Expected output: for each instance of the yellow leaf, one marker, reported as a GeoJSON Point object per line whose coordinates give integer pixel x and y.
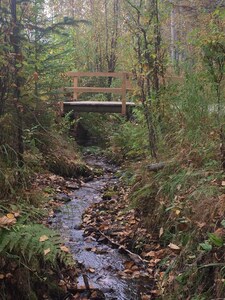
{"type": "Point", "coordinates": [46, 251]}
{"type": "Point", "coordinates": [10, 216]}
{"type": "Point", "coordinates": [64, 248]}
{"type": "Point", "coordinates": [43, 238]}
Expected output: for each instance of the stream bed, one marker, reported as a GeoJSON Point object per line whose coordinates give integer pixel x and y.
{"type": "Point", "coordinates": [103, 264]}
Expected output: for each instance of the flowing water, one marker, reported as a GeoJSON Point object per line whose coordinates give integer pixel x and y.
{"type": "Point", "coordinates": [103, 264]}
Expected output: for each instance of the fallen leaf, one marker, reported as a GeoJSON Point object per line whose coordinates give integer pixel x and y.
{"type": "Point", "coordinates": [4, 221]}
{"type": "Point", "coordinates": [128, 271]}
{"type": "Point", "coordinates": [135, 268]}
{"type": "Point", "coordinates": [136, 274]}
{"type": "Point", "coordinates": [10, 216]}
{"type": "Point", "coordinates": [150, 254]}
{"type": "Point", "coordinates": [150, 270]}
{"type": "Point", "coordinates": [200, 225]}
{"type": "Point", "coordinates": [2, 276]}
{"type": "Point", "coordinates": [43, 238]}
{"type": "Point", "coordinates": [161, 231]}
{"type": "Point", "coordinates": [64, 249]}
{"type": "Point", "coordinates": [154, 261]}
{"type": "Point", "coordinates": [222, 197]}
{"type": "Point", "coordinates": [155, 292]}
{"type": "Point", "coordinates": [223, 183]}
{"type": "Point", "coordinates": [128, 264]}
{"type": "Point", "coordinates": [91, 270]}
{"type": "Point", "coordinates": [46, 251]}
{"type": "Point", "coordinates": [16, 214]}
{"type": "Point", "coordinates": [132, 222]}
{"type": "Point", "coordinates": [173, 246]}
{"type": "Point", "coordinates": [61, 283]}
{"type": "Point", "coordinates": [51, 214]}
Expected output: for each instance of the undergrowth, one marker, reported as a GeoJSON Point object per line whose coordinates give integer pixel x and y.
{"type": "Point", "coordinates": [32, 256]}
{"type": "Point", "coordinates": [183, 203]}
{"type": "Point", "coordinates": [25, 241]}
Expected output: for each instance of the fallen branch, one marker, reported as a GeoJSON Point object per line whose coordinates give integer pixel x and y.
{"type": "Point", "coordinates": [138, 260]}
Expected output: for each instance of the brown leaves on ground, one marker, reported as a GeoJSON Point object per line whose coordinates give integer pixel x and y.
{"type": "Point", "coordinates": [9, 219]}
{"type": "Point", "coordinates": [122, 225]}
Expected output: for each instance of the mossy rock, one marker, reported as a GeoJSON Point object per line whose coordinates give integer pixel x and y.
{"type": "Point", "coordinates": [108, 194]}
{"type": "Point", "coordinates": [98, 172]}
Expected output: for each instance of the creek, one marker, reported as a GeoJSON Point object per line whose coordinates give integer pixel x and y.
{"type": "Point", "coordinates": [102, 265]}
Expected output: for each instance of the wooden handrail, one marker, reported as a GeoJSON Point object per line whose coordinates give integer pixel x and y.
{"type": "Point", "coordinates": [97, 74]}
{"type": "Point", "coordinates": [122, 90]}
{"type": "Point", "coordinates": [87, 89]}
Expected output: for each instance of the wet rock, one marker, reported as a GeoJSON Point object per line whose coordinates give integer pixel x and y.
{"type": "Point", "coordinates": [78, 227]}
{"type": "Point", "coordinates": [72, 185]}
{"type": "Point", "coordinates": [62, 197]}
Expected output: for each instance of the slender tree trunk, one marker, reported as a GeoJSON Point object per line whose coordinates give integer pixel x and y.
{"type": "Point", "coordinates": [173, 35]}
{"type": "Point", "coordinates": [111, 39]}
{"type": "Point", "coordinates": [157, 44]}
{"type": "Point", "coordinates": [15, 41]}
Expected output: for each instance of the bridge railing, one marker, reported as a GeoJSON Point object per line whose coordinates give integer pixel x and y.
{"type": "Point", "coordinates": [122, 90]}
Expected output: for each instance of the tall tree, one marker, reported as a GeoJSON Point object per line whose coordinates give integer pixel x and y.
{"type": "Point", "coordinates": [143, 23]}
{"type": "Point", "coordinates": [17, 79]}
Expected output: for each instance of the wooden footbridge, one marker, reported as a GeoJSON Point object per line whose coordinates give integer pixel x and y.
{"type": "Point", "coordinates": [121, 106]}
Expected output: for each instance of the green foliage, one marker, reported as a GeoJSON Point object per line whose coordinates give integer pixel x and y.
{"type": "Point", "coordinates": [215, 240]}
{"type": "Point", "coordinates": [24, 241]}
{"type": "Point", "coordinates": [131, 137]}
{"type": "Point", "coordinates": [206, 246]}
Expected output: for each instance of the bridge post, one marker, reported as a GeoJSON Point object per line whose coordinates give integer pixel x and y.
{"type": "Point", "coordinates": [75, 84]}
{"type": "Point", "coordinates": [124, 80]}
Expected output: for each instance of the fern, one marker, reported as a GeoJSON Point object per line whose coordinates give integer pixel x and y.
{"type": "Point", "coordinates": [25, 240]}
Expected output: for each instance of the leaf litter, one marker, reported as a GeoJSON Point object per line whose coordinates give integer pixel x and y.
{"type": "Point", "coordinates": [113, 221]}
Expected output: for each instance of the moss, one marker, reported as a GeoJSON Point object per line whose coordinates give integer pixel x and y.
{"type": "Point", "coordinates": [67, 167]}
{"type": "Point", "coordinates": [107, 195]}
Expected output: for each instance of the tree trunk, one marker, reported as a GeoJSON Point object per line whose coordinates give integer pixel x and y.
{"type": "Point", "coordinates": [15, 42]}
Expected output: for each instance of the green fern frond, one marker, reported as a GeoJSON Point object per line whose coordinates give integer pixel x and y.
{"type": "Point", "coordinates": [25, 240]}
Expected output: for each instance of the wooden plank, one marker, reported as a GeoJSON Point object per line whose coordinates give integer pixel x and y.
{"type": "Point", "coordinates": [75, 83]}
{"type": "Point", "coordinates": [95, 74]}
{"type": "Point", "coordinates": [96, 90]}
{"type": "Point", "coordinates": [102, 103]}
{"type": "Point", "coordinates": [95, 106]}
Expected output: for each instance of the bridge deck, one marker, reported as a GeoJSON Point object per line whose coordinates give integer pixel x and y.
{"type": "Point", "coordinates": [96, 106]}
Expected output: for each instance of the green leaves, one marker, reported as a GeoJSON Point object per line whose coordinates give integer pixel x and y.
{"type": "Point", "coordinates": [223, 223]}
{"type": "Point", "coordinates": [34, 239]}
{"type": "Point", "coordinates": [206, 246]}
{"type": "Point", "coordinates": [213, 241]}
